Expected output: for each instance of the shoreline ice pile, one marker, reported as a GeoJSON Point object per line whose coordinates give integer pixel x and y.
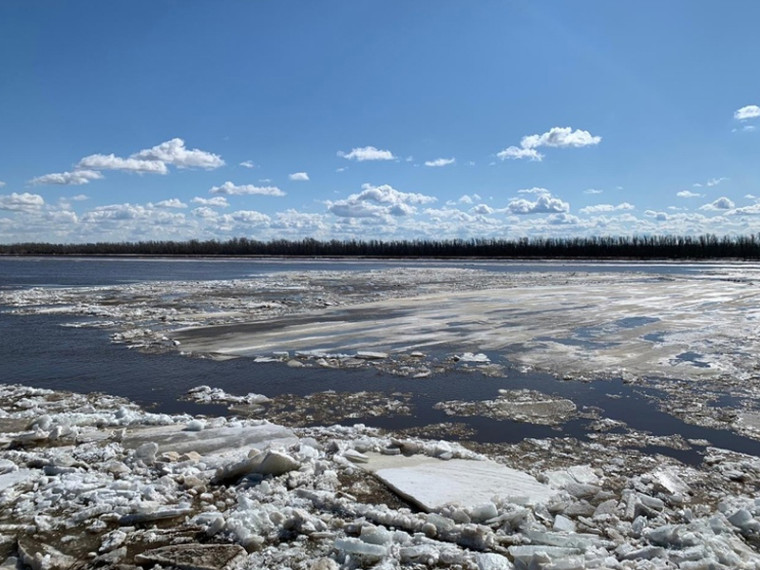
{"type": "Point", "coordinates": [92, 481]}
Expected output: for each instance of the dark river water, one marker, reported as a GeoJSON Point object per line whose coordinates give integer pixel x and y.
{"type": "Point", "coordinates": [38, 351]}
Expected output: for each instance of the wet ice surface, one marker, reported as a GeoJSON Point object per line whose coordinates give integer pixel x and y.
{"type": "Point", "coordinates": [692, 336]}
{"type": "Point", "coordinates": [636, 487]}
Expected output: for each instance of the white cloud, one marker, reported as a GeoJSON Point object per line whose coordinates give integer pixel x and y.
{"type": "Point", "coordinates": [746, 113]}
{"type": "Point", "coordinates": [561, 137]}
{"type": "Point", "coordinates": [113, 162]}
{"type": "Point", "coordinates": [562, 219]}
{"type": "Point", "coordinates": [537, 190]}
{"type": "Point", "coordinates": [592, 191]}
{"type": "Point", "coordinates": [659, 216]}
{"type": "Point", "coordinates": [299, 176]}
{"type": "Point", "coordinates": [482, 209]}
{"type": "Point", "coordinates": [752, 210]}
{"type": "Point", "coordinates": [174, 152]}
{"type": "Point", "coordinates": [516, 153]}
{"type": "Point", "coordinates": [76, 178]}
{"type": "Point", "coordinates": [215, 202]}
{"type": "Point", "coordinates": [465, 199]}
{"type": "Point", "coordinates": [606, 208]}
{"type": "Point", "coordinates": [246, 189]}
{"type": "Point", "coordinates": [205, 213]}
{"type": "Point", "coordinates": [377, 202]}
{"type": "Point", "coordinates": [367, 153]}
{"type": "Point", "coordinates": [116, 212]}
{"type": "Point", "coordinates": [2, 183]}
{"type": "Point", "coordinates": [248, 217]}
{"type": "Point", "coordinates": [716, 181]}
{"type": "Point", "coordinates": [556, 137]}
{"type": "Point", "coordinates": [440, 162]}
{"type": "Point", "coordinates": [248, 164]}
{"type": "Point", "coordinates": [171, 203]}
{"type": "Point", "coordinates": [545, 203]}
{"type": "Point", "coordinates": [80, 198]}
{"type": "Point", "coordinates": [721, 204]}
{"type": "Point", "coordinates": [687, 194]}
{"type": "Point", "coordinates": [25, 202]}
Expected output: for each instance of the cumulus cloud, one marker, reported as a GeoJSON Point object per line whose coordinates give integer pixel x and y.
{"type": "Point", "coordinates": [687, 194]}
{"type": "Point", "coordinates": [366, 153]}
{"type": "Point", "coordinates": [248, 217]}
{"type": "Point", "coordinates": [299, 176]}
{"type": "Point", "coordinates": [721, 204]}
{"type": "Point", "coordinates": [561, 137]}
{"type": "Point", "coordinates": [171, 203]}
{"type": "Point", "coordinates": [116, 212]}
{"type": "Point", "coordinates": [76, 178]}
{"type": "Point", "coordinates": [465, 199]}
{"type": "Point", "coordinates": [606, 208]}
{"type": "Point", "coordinates": [174, 152]}
{"type": "Point", "coordinates": [248, 164]}
{"type": "Point", "coordinates": [752, 210]}
{"type": "Point", "coordinates": [24, 202]}
{"type": "Point", "coordinates": [205, 213]}
{"type": "Point", "coordinates": [747, 112]}
{"type": "Point", "coordinates": [592, 191]}
{"type": "Point", "coordinates": [482, 209]}
{"type": "Point", "coordinates": [2, 183]}
{"type": "Point", "coordinates": [215, 202]}
{"type": "Point", "coordinates": [378, 201]}
{"type": "Point", "coordinates": [113, 162]}
{"type": "Point", "coordinates": [440, 162]}
{"type": "Point", "coordinates": [544, 203]}
{"type": "Point", "coordinates": [246, 189]}
{"type": "Point", "coordinates": [562, 219]}
{"type": "Point", "coordinates": [516, 153]}
{"type": "Point", "coordinates": [659, 216]}
{"type": "Point", "coordinates": [154, 160]}
{"type": "Point", "coordinates": [556, 137]}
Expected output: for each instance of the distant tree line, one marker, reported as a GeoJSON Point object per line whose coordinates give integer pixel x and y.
{"type": "Point", "coordinates": [622, 247]}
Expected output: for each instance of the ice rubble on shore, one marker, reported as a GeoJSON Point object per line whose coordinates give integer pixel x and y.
{"type": "Point", "coordinates": [94, 481]}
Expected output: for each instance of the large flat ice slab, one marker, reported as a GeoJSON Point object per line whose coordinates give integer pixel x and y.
{"type": "Point", "coordinates": [226, 440]}
{"type": "Point", "coordinates": [432, 483]}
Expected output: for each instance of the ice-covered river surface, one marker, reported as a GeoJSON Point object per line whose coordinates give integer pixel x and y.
{"type": "Point", "coordinates": [642, 377]}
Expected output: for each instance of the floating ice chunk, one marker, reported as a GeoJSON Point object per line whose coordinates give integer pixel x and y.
{"type": "Point", "coordinates": [577, 474]}
{"type": "Point", "coordinates": [195, 425]}
{"type": "Point", "coordinates": [192, 556]}
{"type": "Point", "coordinates": [6, 466]}
{"type": "Point", "coordinates": [432, 483]}
{"type": "Point", "coordinates": [227, 440]}
{"type": "Point", "coordinates": [12, 478]}
{"type": "Point", "coordinates": [563, 524]}
{"type": "Point", "coordinates": [472, 357]}
{"type": "Point", "coordinates": [492, 561]}
{"type": "Point", "coordinates": [355, 456]}
{"type": "Point", "coordinates": [368, 355]}
{"type": "Point", "coordinates": [357, 547]}
{"type": "Point", "coordinates": [276, 463]}
{"type": "Point", "coordinates": [537, 555]}
{"type": "Point", "coordinates": [147, 452]}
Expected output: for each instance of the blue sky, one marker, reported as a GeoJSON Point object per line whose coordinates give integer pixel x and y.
{"type": "Point", "coordinates": [210, 120]}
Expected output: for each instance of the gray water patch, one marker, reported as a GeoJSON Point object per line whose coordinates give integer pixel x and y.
{"type": "Point", "coordinates": [655, 337]}
{"type": "Point", "coordinates": [633, 322]}
{"type": "Point", "coordinates": [692, 358]}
